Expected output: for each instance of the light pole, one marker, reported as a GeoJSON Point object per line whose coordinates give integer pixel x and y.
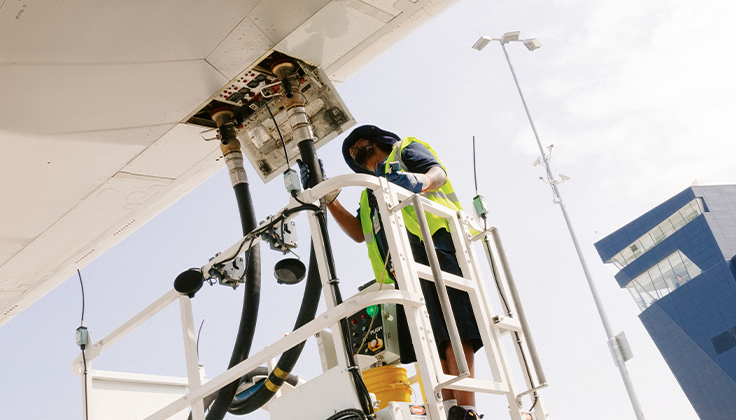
{"type": "Point", "coordinates": [613, 342]}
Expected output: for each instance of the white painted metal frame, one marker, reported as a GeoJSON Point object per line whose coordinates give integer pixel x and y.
{"type": "Point", "coordinates": [514, 325]}
{"type": "Point", "coordinates": [390, 200]}
{"type": "Point", "coordinates": [193, 380]}
{"type": "Point", "coordinates": [408, 274]}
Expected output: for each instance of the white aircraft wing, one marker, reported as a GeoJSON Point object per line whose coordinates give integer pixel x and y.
{"type": "Point", "coordinates": [97, 100]}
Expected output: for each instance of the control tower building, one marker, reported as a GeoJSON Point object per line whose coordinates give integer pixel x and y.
{"type": "Point", "coordinates": [677, 262]}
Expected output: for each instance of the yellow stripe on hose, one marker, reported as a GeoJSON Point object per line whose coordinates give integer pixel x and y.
{"type": "Point", "coordinates": [280, 373]}
{"type": "Point", "coordinates": [271, 386]}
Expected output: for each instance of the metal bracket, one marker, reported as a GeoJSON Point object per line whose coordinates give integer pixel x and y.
{"type": "Point", "coordinates": [530, 391]}
{"type": "Point", "coordinates": [230, 273]}
{"type": "Point", "coordinates": [202, 133]}
{"type": "Point", "coordinates": [268, 93]}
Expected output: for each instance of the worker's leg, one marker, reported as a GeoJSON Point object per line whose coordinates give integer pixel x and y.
{"type": "Point", "coordinates": [449, 366]}
{"type": "Point", "coordinates": [447, 394]}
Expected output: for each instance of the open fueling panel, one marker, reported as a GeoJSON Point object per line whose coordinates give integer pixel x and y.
{"type": "Point", "coordinates": [257, 98]}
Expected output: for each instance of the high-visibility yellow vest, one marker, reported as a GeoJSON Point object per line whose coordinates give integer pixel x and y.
{"type": "Point", "coordinates": [445, 196]}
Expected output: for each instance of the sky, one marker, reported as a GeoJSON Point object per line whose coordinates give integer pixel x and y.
{"type": "Point", "coordinates": [636, 98]}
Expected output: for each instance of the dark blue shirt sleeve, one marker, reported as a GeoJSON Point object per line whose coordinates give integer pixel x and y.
{"type": "Point", "coordinates": [418, 158]}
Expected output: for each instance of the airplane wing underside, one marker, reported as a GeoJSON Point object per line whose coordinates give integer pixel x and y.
{"type": "Point", "coordinates": [97, 103]}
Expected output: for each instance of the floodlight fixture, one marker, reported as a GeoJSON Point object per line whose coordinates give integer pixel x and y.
{"type": "Point", "coordinates": [532, 44]}
{"type": "Point", "coordinates": [510, 36]}
{"type": "Point", "coordinates": [481, 43]}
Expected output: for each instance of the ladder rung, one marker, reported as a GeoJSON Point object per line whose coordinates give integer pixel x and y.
{"type": "Point", "coordinates": [479, 385]}
{"type": "Point", "coordinates": [451, 280]}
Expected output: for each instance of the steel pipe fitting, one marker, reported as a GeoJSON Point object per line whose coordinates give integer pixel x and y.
{"type": "Point", "coordinates": [229, 144]}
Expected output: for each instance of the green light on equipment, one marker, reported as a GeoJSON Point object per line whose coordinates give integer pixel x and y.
{"type": "Point", "coordinates": [371, 310]}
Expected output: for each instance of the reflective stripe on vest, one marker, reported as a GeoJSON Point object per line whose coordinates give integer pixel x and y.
{"type": "Point", "coordinates": [445, 196]}
{"type": "Point", "coordinates": [374, 254]}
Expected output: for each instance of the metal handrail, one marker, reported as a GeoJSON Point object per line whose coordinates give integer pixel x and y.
{"type": "Point", "coordinates": [322, 321]}
{"type": "Point", "coordinates": [519, 309]}
{"type": "Point", "coordinates": [95, 349]}
{"type": "Point", "coordinates": [332, 316]}
{"type": "Point", "coordinates": [447, 312]}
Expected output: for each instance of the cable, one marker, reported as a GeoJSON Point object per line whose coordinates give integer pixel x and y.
{"type": "Point", "coordinates": [360, 388]}
{"type": "Point", "coordinates": [506, 304]}
{"type": "Point", "coordinates": [86, 395]}
{"type": "Point", "coordinates": [475, 170]}
{"type": "Point", "coordinates": [199, 334]}
{"type": "Point", "coordinates": [250, 246]}
{"type": "Point", "coordinates": [493, 270]}
{"type": "Point", "coordinates": [350, 413]}
{"type": "Point", "coordinates": [257, 232]}
{"type": "Point", "coordinates": [309, 156]}
{"type": "Point", "coordinates": [81, 322]}
{"type": "Point", "coordinates": [279, 131]}
{"type": "Point", "coordinates": [536, 398]}
{"type": "Point", "coordinates": [240, 248]}
{"type": "Point", "coordinates": [498, 286]}
{"type": "Point", "coordinates": [294, 193]}
{"type": "Point", "coordinates": [81, 331]}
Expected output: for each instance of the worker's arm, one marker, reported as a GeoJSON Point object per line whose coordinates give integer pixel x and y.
{"type": "Point", "coordinates": [347, 221]}
{"type": "Point", "coordinates": [422, 171]}
{"type": "Point", "coordinates": [437, 177]}
{"type": "Point", "coordinates": [418, 182]}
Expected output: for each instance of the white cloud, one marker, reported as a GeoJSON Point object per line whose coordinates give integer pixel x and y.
{"type": "Point", "coordinates": [646, 85]}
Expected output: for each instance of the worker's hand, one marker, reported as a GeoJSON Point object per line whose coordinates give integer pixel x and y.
{"type": "Point", "coordinates": [413, 182]}
{"type": "Point", "coordinates": [304, 175]}
{"type": "Point", "coordinates": [304, 172]}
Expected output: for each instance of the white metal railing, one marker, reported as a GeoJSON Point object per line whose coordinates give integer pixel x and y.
{"type": "Point", "coordinates": [390, 200]}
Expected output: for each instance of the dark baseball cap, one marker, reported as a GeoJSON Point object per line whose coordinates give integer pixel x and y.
{"type": "Point", "coordinates": [368, 132]}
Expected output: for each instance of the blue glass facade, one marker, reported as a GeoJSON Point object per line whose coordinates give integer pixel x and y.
{"type": "Point", "coordinates": [694, 324]}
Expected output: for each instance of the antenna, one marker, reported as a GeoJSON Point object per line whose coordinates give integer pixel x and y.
{"type": "Point", "coordinates": [475, 169]}
{"type": "Point", "coordinates": [481, 209]}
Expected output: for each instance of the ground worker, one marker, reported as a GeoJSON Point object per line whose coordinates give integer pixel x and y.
{"type": "Point", "coordinates": [369, 150]}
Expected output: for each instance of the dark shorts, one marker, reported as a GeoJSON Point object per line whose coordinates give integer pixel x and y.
{"type": "Point", "coordinates": [461, 307]}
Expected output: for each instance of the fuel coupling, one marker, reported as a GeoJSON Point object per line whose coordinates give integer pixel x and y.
{"type": "Point", "coordinates": [229, 144]}
{"type": "Point", "coordinates": [294, 101]}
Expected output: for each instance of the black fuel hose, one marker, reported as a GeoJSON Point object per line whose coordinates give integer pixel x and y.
{"type": "Point", "coordinates": [276, 378]}
{"type": "Point", "coordinates": [309, 157]}
{"type": "Point", "coordinates": [251, 301]}
{"type": "Point", "coordinates": [292, 380]}
{"type": "Point", "coordinates": [348, 414]}
{"type": "Point", "coordinates": [267, 389]}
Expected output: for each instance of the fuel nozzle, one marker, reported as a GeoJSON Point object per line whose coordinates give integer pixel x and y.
{"type": "Point", "coordinates": [224, 116]}
{"type": "Point", "coordinates": [298, 118]}
{"type": "Point", "coordinates": [229, 143]}
{"type": "Point", "coordinates": [284, 70]}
